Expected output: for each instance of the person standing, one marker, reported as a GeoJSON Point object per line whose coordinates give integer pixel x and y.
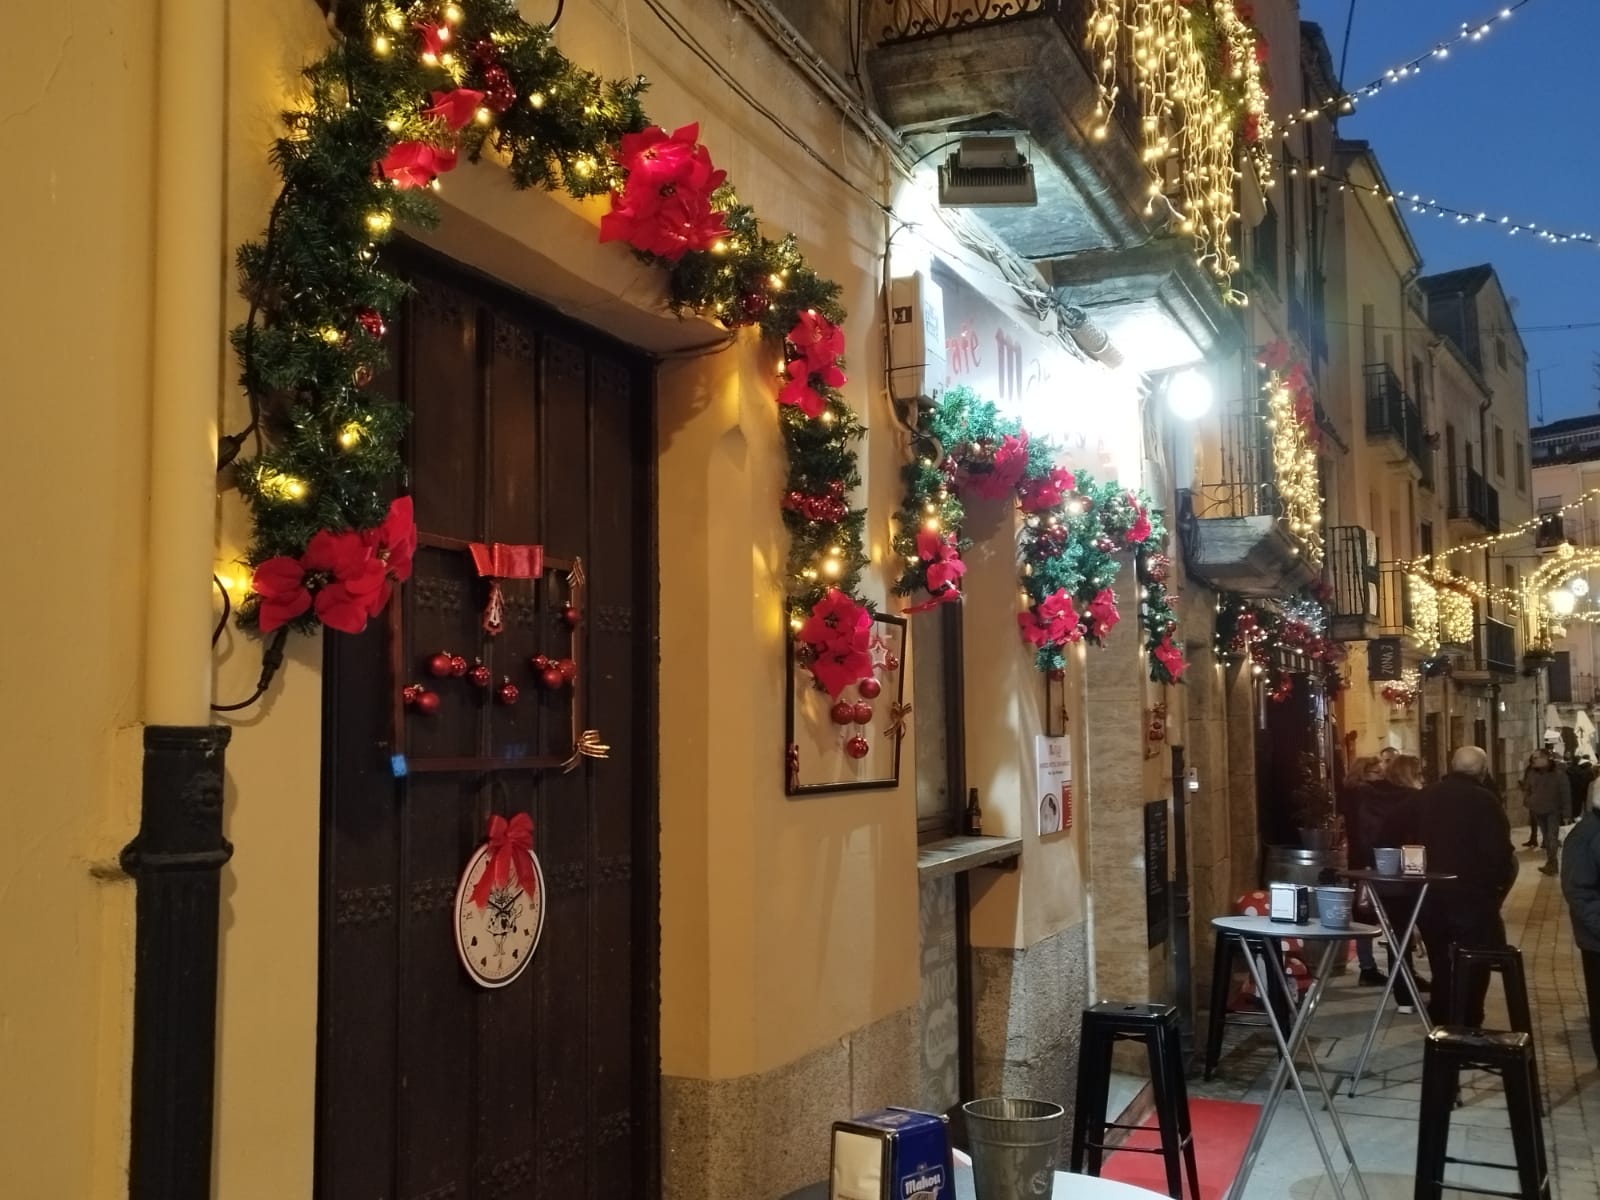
{"type": "Point", "coordinates": [1357, 806]}
{"type": "Point", "coordinates": [1580, 773]}
{"type": "Point", "coordinates": [1463, 824]}
{"type": "Point", "coordinates": [1533, 822]}
{"type": "Point", "coordinates": [1549, 795]}
{"type": "Point", "coordinates": [1580, 884]}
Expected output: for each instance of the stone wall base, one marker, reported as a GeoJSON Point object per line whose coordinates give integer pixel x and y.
{"type": "Point", "coordinates": [763, 1136]}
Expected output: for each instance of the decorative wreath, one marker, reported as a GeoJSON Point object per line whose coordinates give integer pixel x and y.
{"type": "Point", "coordinates": [1073, 531]}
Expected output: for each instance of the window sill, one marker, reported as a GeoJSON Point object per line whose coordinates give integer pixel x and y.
{"type": "Point", "coordinates": [952, 856]}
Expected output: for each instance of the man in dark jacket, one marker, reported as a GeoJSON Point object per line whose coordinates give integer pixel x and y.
{"type": "Point", "coordinates": [1549, 793]}
{"type": "Point", "coordinates": [1463, 824]}
{"type": "Point", "coordinates": [1580, 882]}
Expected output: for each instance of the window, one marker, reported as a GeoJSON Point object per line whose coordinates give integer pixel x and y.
{"type": "Point", "coordinates": [1510, 576]}
{"type": "Point", "coordinates": [1425, 539]}
{"type": "Point", "coordinates": [1499, 453]}
{"type": "Point", "coordinates": [1522, 466]}
{"type": "Point", "coordinates": [936, 685]}
{"type": "Point", "coordinates": [1264, 247]}
{"type": "Point", "coordinates": [1418, 391]}
{"type": "Point", "coordinates": [1500, 353]}
{"type": "Point", "coordinates": [1548, 504]}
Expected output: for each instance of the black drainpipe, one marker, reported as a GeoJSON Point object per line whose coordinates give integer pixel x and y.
{"type": "Point", "coordinates": [176, 861]}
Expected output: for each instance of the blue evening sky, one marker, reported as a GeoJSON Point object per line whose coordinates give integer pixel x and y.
{"type": "Point", "coordinates": [1506, 125]}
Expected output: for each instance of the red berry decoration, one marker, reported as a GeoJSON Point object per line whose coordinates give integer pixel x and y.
{"type": "Point", "coordinates": [480, 675]}
{"type": "Point", "coordinates": [507, 693]}
{"type": "Point", "coordinates": [441, 663]}
{"type": "Point", "coordinates": [863, 713]}
{"type": "Point", "coordinates": [843, 713]}
{"type": "Point", "coordinates": [568, 669]}
{"type": "Point", "coordinates": [498, 91]}
{"type": "Point", "coordinates": [891, 663]}
{"type": "Point", "coordinates": [754, 304]}
{"type": "Point", "coordinates": [458, 665]}
{"type": "Point", "coordinates": [485, 53]}
{"type": "Point", "coordinates": [571, 616]}
{"type": "Point", "coordinates": [1057, 674]}
{"type": "Point", "coordinates": [857, 747]}
{"type": "Point", "coordinates": [836, 489]}
{"type": "Point", "coordinates": [410, 692]}
{"type": "Point", "coordinates": [869, 688]}
{"type": "Point", "coordinates": [371, 322]}
{"type": "Point", "coordinates": [539, 662]}
{"type": "Point", "coordinates": [552, 678]}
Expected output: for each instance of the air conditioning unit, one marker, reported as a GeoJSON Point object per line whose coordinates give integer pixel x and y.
{"type": "Point", "coordinates": [916, 338]}
{"type": "Point", "coordinates": [987, 172]}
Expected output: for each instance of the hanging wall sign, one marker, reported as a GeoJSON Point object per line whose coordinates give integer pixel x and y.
{"type": "Point", "coordinates": [1383, 659]}
{"type": "Point", "coordinates": [500, 904]}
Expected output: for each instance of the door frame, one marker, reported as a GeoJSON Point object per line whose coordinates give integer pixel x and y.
{"type": "Point", "coordinates": [408, 256]}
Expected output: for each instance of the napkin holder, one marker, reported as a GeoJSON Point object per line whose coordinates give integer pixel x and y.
{"type": "Point", "coordinates": [1289, 903]}
{"type": "Point", "coordinates": [891, 1154]}
{"type": "Point", "coordinates": [1413, 860]}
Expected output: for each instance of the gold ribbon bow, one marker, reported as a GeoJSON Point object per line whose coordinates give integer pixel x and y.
{"type": "Point", "coordinates": [897, 721]}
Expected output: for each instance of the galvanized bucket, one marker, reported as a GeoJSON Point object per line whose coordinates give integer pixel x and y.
{"type": "Point", "coordinates": [1014, 1145]}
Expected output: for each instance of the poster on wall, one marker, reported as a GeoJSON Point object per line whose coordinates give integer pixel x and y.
{"type": "Point", "coordinates": [1053, 795]}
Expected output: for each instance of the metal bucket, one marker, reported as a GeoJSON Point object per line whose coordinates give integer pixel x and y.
{"type": "Point", "coordinates": [1014, 1146]}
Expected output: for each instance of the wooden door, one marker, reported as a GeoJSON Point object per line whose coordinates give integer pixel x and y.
{"type": "Point", "coordinates": [525, 429]}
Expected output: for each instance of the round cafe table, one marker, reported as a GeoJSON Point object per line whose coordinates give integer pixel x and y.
{"type": "Point", "coordinates": [1068, 1187]}
{"type": "Point", "coordinates": [1258, 935]}
{"type": "Point", "coordinates": [1380, 885]}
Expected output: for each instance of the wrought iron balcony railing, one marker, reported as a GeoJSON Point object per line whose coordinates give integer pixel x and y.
{"type": "Point", "coordinates": [1497, 646]}
{"type": "Point", "coordinates": [1393, 414]}
{"type": "Point", "coordinates": [909, 20]}
{"type": "Point", "coordinates": [1474, 498]}
{"type": "Point", "coordinates": [1246, 486]}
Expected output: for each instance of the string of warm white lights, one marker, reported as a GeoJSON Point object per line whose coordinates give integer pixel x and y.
{"type": "Point", "coordinates": [1182, 111]}
{"type": "Point", "coordinates": [1505, 535]}
{"type": "Point", "coordinates": [1418, 204]}
{"type": "Point", "coordinates": [1410, 69]}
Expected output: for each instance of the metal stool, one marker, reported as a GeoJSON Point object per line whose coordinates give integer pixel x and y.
{"type": "Point", "coordinates": [1223, 961]}
{"type": "Point", "coordinates": [1446, 1053]}
{"type": "Point", "coordinates": [1156, 1025]}
{"type": "Point", "coordinates": [1466, 963]}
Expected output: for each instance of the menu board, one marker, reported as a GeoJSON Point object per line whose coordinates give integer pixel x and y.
{"type": "Point", "coordinates": [1155, 871]}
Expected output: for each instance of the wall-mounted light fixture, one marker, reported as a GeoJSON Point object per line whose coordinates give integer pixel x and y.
{"type": "Point", "coordinates": [987, 172]}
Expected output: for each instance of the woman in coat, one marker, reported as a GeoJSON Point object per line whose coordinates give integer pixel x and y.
{"type": "Point", "coordinates": [1548, 792]}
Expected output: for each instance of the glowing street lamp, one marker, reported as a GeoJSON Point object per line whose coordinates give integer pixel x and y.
{"type": "Point", "coordinates": [1189, 395]}
{"type": "Point", "coordinates": [1562, 601]}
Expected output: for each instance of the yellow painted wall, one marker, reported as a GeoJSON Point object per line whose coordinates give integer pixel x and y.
{"type": "Point", "coordinates": [76, 123]}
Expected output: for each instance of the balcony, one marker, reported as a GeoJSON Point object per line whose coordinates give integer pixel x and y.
{"type": "Point", "coordinates": [1352, 573]}
{"type": "Point", "coordinates": [1232, 531]}
{"type": "Point", "coordinates": [1493, 656]}
{"type": "Point", "coordinates": [1552, 531]}
{"type": "Point", "coordinates": [1474, 501]}
{"type": "Point", "coordinates": [941, 68]}
{"type": "Point", "coordinates": [1394, 420]}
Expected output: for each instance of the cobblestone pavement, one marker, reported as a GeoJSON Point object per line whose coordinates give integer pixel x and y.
{"type": "Point", "coordinates": [1381, 1119]}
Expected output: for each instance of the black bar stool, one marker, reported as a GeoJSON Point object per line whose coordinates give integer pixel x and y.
{"type": "Point", "coordinates": [1156, 1025]}
{"type": "Point", "coordinates": [1449, 1051]}
{"type": "Point", "coordinates": [1466, 965]}
{"type": "Point", "coordinates": [1223, 961]}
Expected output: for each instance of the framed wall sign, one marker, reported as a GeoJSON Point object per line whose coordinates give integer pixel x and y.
{"type": "Point", "coordinates": [848, 742]}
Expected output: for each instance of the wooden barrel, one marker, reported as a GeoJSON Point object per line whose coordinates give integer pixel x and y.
{"type": "Point", "coordinates": [1294, 864]}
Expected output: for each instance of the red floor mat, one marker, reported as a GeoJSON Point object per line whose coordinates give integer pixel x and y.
{"type": "Point", "coordinates": [1222, 1128]}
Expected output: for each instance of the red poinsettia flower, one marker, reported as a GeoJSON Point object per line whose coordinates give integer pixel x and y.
{"type": "Point", "coordinates": [280, 583]}
{"type": "Point", "coordinates": [1170, 657]}
{"type": "Point", "coordinates": [1010, 460]}
{"type": "Point", "coordinates": [839, 667]}
{"type": "Point", "coordinates": [799, 392]}
{"type": "Point", "coordinates": [945, 567]}
{"type": "Point", "coordinates": [1274, 356]}
{"type": "Point", "coordinates": [359, 578]}
{"type": "Point", "coordinates": [1103, 614]}
{"type": "Point", "coordinates": [664, 207]}
{"type": "Point", "coordinates": [1047, 491]}
{"type": "Point", "coordinates": [415, 164]}
{"type": "Point", "coordinates": [837, 620]}
{"type": "Point", "coordinates": [654, 158]}
{"type": "Point", "coordinates": [392, 544]}
{"type": "Point", "coordinates": [1140, 530]}
{"type": "Point", "coordinates": [434, 36]}
{"type": "Point", "coordinates": [456, 108]}
{"type": "Point", "coordinates": [1052, 622]}
{"type": "Point", "coordinates": [820, 342]}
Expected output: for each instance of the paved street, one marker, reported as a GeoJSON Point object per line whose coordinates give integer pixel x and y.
{"type": "Point", "coordinates": [1382, 1118]}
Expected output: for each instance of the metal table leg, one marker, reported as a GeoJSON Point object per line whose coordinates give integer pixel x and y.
{"type": "Point", "coordinates": [1288, 1046]}
{"type": "Point", "coordinates": [1402, 967]}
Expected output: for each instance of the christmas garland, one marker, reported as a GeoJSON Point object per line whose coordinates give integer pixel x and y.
{"type": "Point", "coordinates": [1250, 632]}
{"type": "Point", "coordinates": [1295, 437]}
{"type": "Point", "coordinates": [1073, 529]}
{"type": "Point", "coordinates": [408, 91]}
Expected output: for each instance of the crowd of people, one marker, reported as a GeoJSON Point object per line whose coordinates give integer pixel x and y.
{"type": "Point", "coordinates": [1462, 822]}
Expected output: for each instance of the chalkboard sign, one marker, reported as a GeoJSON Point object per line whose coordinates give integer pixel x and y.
{"type": "Point", "coordinates": [1155, 871]}
{"type": "Point", "coordinates": [1383, 659]}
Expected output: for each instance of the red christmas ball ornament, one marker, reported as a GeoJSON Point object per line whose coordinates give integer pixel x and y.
{"type": "Point", "coordinates": [843, 712]}
{"type": "Point", "coordinates": [863, 713]}
{"type": "Point", "coordinates": [507, 693]}
{"type": "Point", "coordinates": [857, 747]}
{"type": "Point", "coordinates": [458, 665]}
{"type": "Point", "coordinates": [754, 304]}
{"type": "Point", "coordinates": [410, 692]}
{"type": "Point", "coordinates": [869, 688]}
{"type": "Point", "coordinates": [552, 678]}
{"type": "Point", "coordinates": [371, 322]}
{"type": "Point", "coordinates": [539, 662]}
{"type": "Point", "coordinates": [498, 90]}
{"type": "Point", "coordinates": [427, 703]}
{"type": "Point", "coordinates": [568, 669]}
{"type": "Point", "coordinates": [891, 663]}
{"type": "Point", "coordinates": [439, 665]}
{"type": "Point", "coordinates": [480, 675]}
{"type": "Point", "coordinates": [570, 616]}
{"type": "Point", "coordinates": [836, 489]}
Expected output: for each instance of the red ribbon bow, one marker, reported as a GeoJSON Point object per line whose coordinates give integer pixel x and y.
{"type": "Point", "coordinates": [510, 849]}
